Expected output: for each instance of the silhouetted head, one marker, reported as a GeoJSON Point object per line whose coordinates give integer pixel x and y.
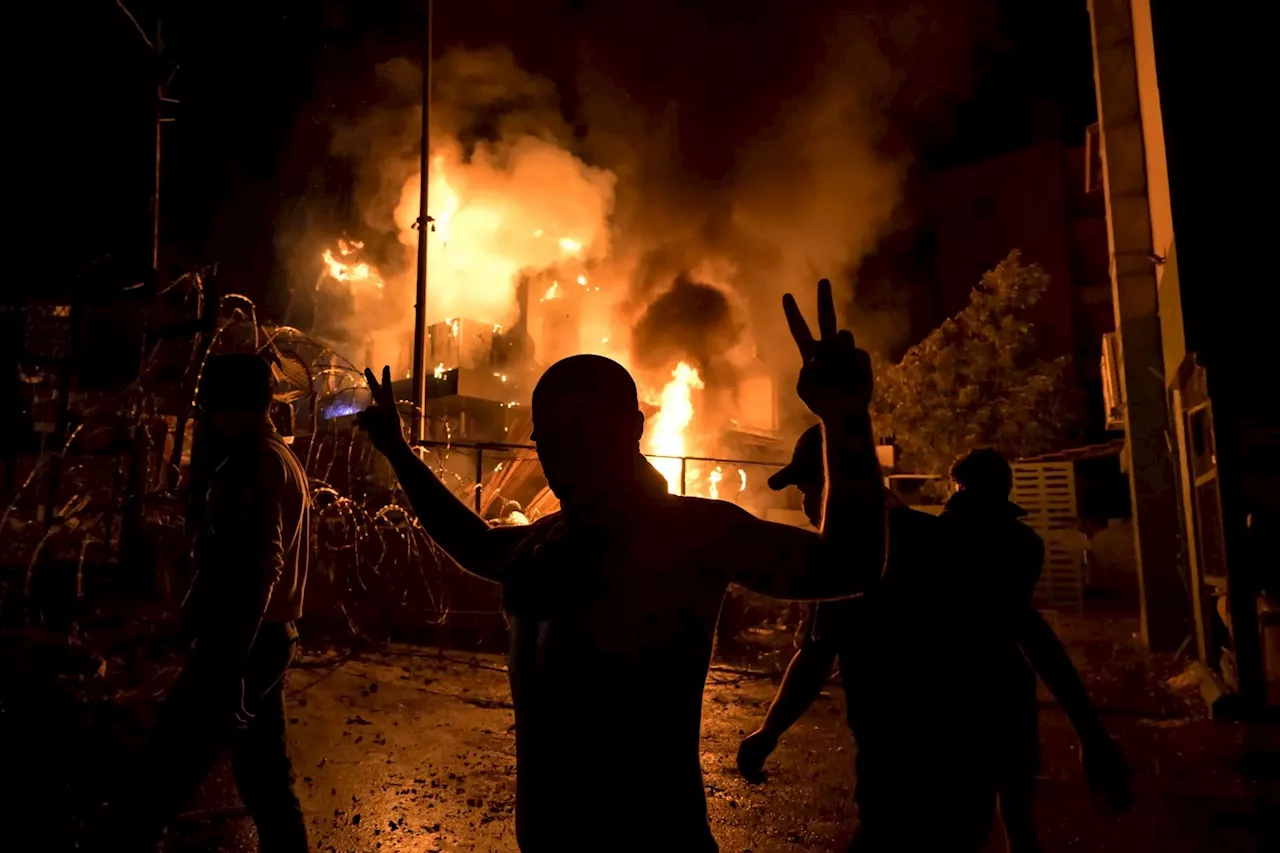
{"type": "Point", "coordinates": [806, 472]}
{"type": "Point", "coordinates": [984, 474]}
{"type": "Point", "coordinates": [235, 393]}
{"type": "Point", "coordinates": [587, 426]}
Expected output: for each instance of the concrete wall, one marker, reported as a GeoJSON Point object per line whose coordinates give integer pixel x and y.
{"type": "Point", "coordinates": [1035, 200]}
{"type": "Point", "coordinates": [1015, 201]}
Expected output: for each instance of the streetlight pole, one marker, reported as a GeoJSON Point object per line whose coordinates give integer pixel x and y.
{"type": "Point", "coordinates": [156, 46]}
{"type": "Point", "coordinates": [418, 370]}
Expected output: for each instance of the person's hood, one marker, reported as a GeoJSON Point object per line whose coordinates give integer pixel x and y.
{"type": "Point", "coordinates": [967, 503]}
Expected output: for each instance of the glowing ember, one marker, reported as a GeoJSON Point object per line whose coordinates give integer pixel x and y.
{"type": "Point", "coordinates": [666, 432]}
{"type": "Point", "coordinates": [717, 477]}
{"type": "Point", "coordinates": [570, 245]}
{"type": "Point", "coordinates": [357, 274]}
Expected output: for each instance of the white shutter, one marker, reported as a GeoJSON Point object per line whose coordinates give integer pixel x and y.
{"type": "Point", "coordinates": [1047, 491]}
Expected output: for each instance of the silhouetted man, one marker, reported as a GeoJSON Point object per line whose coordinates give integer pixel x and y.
{"type": "Point", "coordinates": [612, 601]}
{"type": "Point", "coordinates": [1006, 558]}
{"type": "Point", "coordinates": [874, 650]}
{"type": "Point", "coordinates": [251, 529]}
{"type": "Point", "coordinates": [826, 632]}
{"type": "Point", "coordinates": [954, 618]}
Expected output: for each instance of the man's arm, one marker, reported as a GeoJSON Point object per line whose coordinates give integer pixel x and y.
{"type": "Point", "coordinates": [847, 558]}
{"type": "Point", "coordinates": [473, 544]}
{"type": "Point", "coordinates": [1104, 765]}
{"type": "Point", "coordinates": [1042, 648]}
{"type": "Point", "coordinates": [801, 685]}
{"type": "Point", "coordinates": [1048, 657]}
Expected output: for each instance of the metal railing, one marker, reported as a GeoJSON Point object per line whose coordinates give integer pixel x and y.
{"type": "Point", "coordinates": [479, 447]}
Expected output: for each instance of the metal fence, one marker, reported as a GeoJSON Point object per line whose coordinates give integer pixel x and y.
{"type": "Point", "coordinates": [498, 479]}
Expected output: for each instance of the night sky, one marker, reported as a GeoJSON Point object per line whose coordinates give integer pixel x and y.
{"type": "Point", "coordinates": [260, 84]}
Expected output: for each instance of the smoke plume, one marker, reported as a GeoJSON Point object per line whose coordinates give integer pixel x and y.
{"type": "Point", "coordinates": [699, 165]}
{"type": "Point", "coordinates": [507, 196]}
{"type": "Point", "coordinates": [692, 322]}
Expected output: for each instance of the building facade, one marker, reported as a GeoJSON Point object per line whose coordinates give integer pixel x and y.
{"type": "Point", "coordinates": [1038, 200]}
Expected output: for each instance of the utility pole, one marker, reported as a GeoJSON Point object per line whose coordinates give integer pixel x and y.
{"type": "Point", "coordinates": [418, 370]}
{"type": "Point", "coordinates": [163, 78]}
{"type": "Point", "coordinates": [155, 195]}
{"type": "Point", "coordinates": [1164, 598]}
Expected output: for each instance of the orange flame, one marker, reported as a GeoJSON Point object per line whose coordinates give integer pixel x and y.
{"type": "Point", "coordinates": [717, 477]}
{"type": "Point", "coordinates": [666, 434]}
{"type": "Point", "coordinates": [499, 213]}
{"type": "Point", "coordinates": [356, 273]}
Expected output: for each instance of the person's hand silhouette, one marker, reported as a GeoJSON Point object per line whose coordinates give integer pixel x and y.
{"type": "Point", "coordinates": [381, 420]}
{"type": "Point", "coordinates": [1107, 773]}
{"type": "Point", "coordinates": [835, 379]}
{"type": "Point", "coordinates": [754, 750]}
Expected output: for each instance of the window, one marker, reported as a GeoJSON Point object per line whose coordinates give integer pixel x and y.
{"type": "Point", "coordinates": [1200, 426]}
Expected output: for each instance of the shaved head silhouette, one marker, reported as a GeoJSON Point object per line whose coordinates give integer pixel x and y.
{"type": "Point", "coordinates": [587, 426]}
{"type": "Point", "coordinates": [604, 381]}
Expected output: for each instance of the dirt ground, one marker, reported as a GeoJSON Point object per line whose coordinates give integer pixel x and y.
{"type": "Point", "coordinates": [410, 750]}
{"type": "Point", "coordinates": [413, 751]}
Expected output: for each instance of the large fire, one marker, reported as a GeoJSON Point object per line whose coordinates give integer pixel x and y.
{"type": "Point", "coordinates": [344, 268]}
{"type": "Point", "coordinates": [537, 212]}
{"type": "Point", "coordinates": [665, 435]}
{"type": "Point", "coordinates": [499, 214]}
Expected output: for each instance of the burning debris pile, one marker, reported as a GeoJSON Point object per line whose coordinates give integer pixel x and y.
{"type": "Point", "coordinates": [549, 304]}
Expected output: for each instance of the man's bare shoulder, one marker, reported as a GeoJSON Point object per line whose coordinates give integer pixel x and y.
{"type": "Point", "coordinates": [717, 521]}
{"type": "Point", "coordinates": [710, 512]}
{"type": "Point", "coordinates": [543, 524]}
{"type": "Point", "coordinates": [515, 536]}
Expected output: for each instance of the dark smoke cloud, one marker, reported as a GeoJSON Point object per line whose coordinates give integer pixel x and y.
{"type": "Point", "coordinates": [774, 138]}
{"type": "Point", "coordinates": [758, 146]}
{"type": "Point", "coordinates": [692, 321]}
{"type": "Point", "coordinates": [479, 96]}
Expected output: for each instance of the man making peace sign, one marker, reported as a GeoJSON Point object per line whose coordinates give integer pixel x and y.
{"type": "Point", "coordinates": [612, 602]}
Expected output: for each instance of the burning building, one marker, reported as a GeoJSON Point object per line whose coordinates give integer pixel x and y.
{"type": "Point", "coordinates": [527, 278]}
{"type": "Point", "coordinates": [542, 244]}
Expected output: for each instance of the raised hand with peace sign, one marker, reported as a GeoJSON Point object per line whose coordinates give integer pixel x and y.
{"type": "Point", "coordinates": [381, 420]}
{"type": "Point", "coordinates": [835, 378]}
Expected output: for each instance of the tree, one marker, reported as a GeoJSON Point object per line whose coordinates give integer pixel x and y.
{"type": "Point", "coordinates": [976, 380]}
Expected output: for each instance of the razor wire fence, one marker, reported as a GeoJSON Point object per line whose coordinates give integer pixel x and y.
{"type": "Point", "coordinates": [92, 487]}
